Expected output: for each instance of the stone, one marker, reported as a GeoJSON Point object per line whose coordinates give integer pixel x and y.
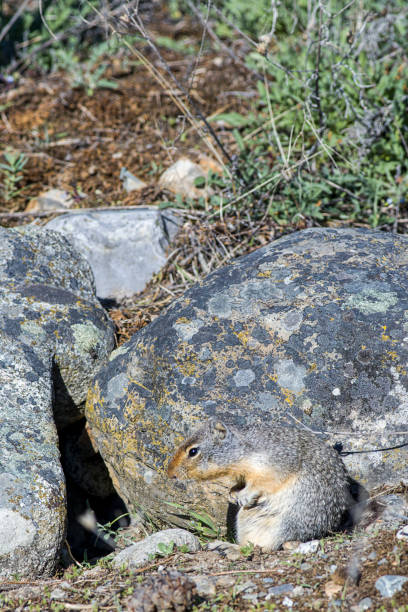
{"type": "Point", "coordinates": [310, 329]}
{"type": "Point", "coordinates": [281, 589]}
{"type": "Point", "coordinates": [58, 593]}
{"type": "Point", "coordinates": [331, 588]}
{"type": "Point", "coordinates": [226, 549]}
{"type": "Point", "coordinates": [204, 584]}
{"type": "Point", "coordinates": [362, 605]}
{"type": "Point", "coordinates": [140, 553]}
{"type": "Point", "coordinates": [287, 601]}
{"type": "Point", "coordinates": [52, 199]}
{"type": "Point", "coordinates": [130, 182]}
{"type": "Point", "coordinates": [124, 248]}
{"type": "Point", "coordinates": [54, 336]}
{"type": "Point", "coordinates": [389, 585]}
{"type": "Point", "coordinates": [307, 548]}
{"type": "Point", "coordinates": [180, 178]}
{"type": "Point", "coordinates": [248, 585]}
{"type": "Point", "coordinates": [402, 534]}
{"type": "Point", "coordinates": [394, 510]}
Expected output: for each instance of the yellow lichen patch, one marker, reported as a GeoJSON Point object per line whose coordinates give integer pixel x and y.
{"type": "Point", "coordinates": [138, 384]}
{"type": "Point", "coordinates": [312, 367]}
{"type": "Point", "coordinates": [243, 337]}
{"type": "Point", "coordinates": [265, 274]}
{"type": "Point", "coordinates": [94, 399]}
{"type": "Point", "coordinates": [401, 370]}
{"type": "Point", "coordinates": [186, 360]}
{"type": "Point", "coordinates": [183, 321]}
{"type": "Point", "coordinates": [288, 395]}
{"type": "Point", "coordinates": [393, 355]}
{"type": "Point", "coordinates": [384, 336]}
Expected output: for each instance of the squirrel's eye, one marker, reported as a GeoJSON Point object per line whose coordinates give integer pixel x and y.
{"type": "Point", "coordinates": [193, 451]}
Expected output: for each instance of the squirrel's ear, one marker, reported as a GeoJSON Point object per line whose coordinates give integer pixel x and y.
{"type": "Point", "coordinates": [218, 430]}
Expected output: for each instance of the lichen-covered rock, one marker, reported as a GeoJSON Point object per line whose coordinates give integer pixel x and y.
{"type": "Point", "coordinates": [312, 328]}
{"type": "Point", "coordinates": [32, 486]}
{"type": "Point", "coordinates": [54, 335]}
{"type": "Point", "coordinates": [47, 298]}
{"type": "Point", "coordinates": [138, 554]}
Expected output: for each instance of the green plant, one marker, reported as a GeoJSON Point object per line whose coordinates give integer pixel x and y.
{"type": "Point", "coordinates": [198, 522]}
{"type": "Point", "coordinates": [327, 138]}
{"type": "Point", "coordinates": [12, 168]}
{"type": "Point", "coordinates": [247, 550]}
{"type": "Point", "coordinates": [164, 550]}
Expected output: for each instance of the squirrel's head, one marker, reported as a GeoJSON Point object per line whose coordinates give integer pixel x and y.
{"type": "Point", "coordinates": [198, 456]}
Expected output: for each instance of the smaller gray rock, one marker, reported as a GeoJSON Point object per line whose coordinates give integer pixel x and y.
{"type": "Point", "coordinates": [306, 548]}
{"type": "Point", "coordinates": [130, 182]}
{"type": "Point", "coordinates": [251, 597]}
{"type": "Point", "coordinates": [298, 591]}
{"type": "Point", "coordinates": [123, 248]}
{"type": "Point", "coordinates": [58, 593]}
{"type": "Point", "coordinates": [364, 604]}
{"type": "Point", "coordinates": [288, 602]}
{"type": "Point", "coordinates": [226, 549]}
{"type": "Point", "coordinates": [389, 585]}
{"type": "Point", "coordinates": [281, 589]}
{"type": "Point", "coordinates": [140, 553]}
{"type": "Point", "coordinates": [395, 510]}
{"type": "Point", "coordinates": [205, 586]}
{"type": "Point", "coordinates": [402, 534]}
{"type": "Point", "coordinates": [244, 586]}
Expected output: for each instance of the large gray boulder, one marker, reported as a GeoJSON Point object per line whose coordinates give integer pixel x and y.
{"type": "Point", "coordinates": [54, 336]}
{"type": "Point", "coordinates": [311, 329]}
{"type": "Point", "coordinates": [123, 247]}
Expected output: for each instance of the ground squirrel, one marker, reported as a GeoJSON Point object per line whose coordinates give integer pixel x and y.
{"type": "Point", "coordinates": [288, 484]}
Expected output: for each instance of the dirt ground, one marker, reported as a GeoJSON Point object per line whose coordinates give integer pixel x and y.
{"type": "Point", "coordinates": [79, 142]}
{"type": "Point", "coordinates": [340, 575]}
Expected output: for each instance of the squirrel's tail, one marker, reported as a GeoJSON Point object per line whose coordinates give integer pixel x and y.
{"type": "Point", "coordinates": [363, 510]}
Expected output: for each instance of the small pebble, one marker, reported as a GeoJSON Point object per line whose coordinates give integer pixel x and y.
{"type": "Point", "coordinates": [298, 591]}
{"type": "Point", "coordinates": [364, 604]}
{"type": "Point", "coordinates": [288, 602]}
{"type": "Point", "coordinates": [389, 585]}
{"type": "Point", "coordinates": [307, 548]}
{"type": "Point", "coordinates": [245, 586]}
{"type": "Point", "coordinates": [402, 534]}
{"type": "Point", "coordinates": [58, 594]}
{"type": "Point", "coordinates": [252, 598]}
{"type": "Point", "coordinates": [279, 590]}
{"type": "Point", "coordinates": [382, 561]}
{"type": "Point", "coordinates": [372, 556]}
{"type": "Point", "coordinates": [268, 580]}
{"type": "Point", "coordinates": [305, 566]}
{"type": "Point", "coordinates": [204, 585]}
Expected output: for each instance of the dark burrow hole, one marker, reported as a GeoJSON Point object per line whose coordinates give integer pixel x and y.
{"type": "Point", "coordinates": [94, 509]}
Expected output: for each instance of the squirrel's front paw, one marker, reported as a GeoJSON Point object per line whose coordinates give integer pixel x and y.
{"type": "Point", "coordinates": [245, 498]}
